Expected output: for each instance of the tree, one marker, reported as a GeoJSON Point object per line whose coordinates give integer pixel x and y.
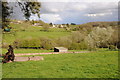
{"type": "Point", "coordinates": [28, 8]}
{"type": "Point", "coordinates": [99, 36]}
{"type": "Point", "coordinates": [6, 11]}
{"type": "Point", "coordinates": [50, 24]}
{"type": "Point", "coordinates": [77, 36]}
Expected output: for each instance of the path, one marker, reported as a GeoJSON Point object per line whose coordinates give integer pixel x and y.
{"type": "Point", "coordinates": [21, 54]}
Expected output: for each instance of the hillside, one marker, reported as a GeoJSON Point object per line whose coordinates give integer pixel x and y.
{"type": "Point", "coordinates": [68, 35]}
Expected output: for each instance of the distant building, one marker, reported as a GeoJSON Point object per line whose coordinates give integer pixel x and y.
{"type": "Point", "coordinates": [53, 26]}
{"type": "Point", "coordinates": [95, 25]}
{"type": "Point", "coordinates": [61, 26]}
{"type": "Point", "coordinates": [37, 24]}
{"type": "Point", "coordinates": [16, 22]}
{"type": "Point", "coordinates": [60, 49]}
{"type": "Point", "coordinates": [19, 22]}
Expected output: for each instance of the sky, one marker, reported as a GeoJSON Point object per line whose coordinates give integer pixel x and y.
{"type": "Point", "coordinates": [79, 12]}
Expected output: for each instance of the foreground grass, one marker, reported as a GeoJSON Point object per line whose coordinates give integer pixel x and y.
{"type": "Point", "coordinates": [83, 65]}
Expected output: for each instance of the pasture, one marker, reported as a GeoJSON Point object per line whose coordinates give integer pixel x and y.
{"type": "Point", "coordinates": [23, 31]}
{"type": "Point", "coordinates": [97, 64]}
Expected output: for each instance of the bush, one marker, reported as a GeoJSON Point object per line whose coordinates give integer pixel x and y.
{"type": "Point", "coordinates": [42, 42]}
{"type": "Point", "coordinates": [99, 36]}
{"type": "Point", "coordinates": [83, 45]}
{"type": "Point", "coordinates": [64, 42]}
{"type": "Point", "coordinates": [77, 36]}
{"type": "Point", "coordinates": [78, 46]}
{"type": "Point", "coordinates": [112, 47]}
{"type": "Point", "coordinates": [27, 43]}
{"type": "Point", "coordinates": [74, 46]}
{"type": "Point", "coordinates": [47, 43]}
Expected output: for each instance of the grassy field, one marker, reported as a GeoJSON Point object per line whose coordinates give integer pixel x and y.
{"type": "Point", "coordinates": [102, 64]}
{"type": "Point", "coordinates": [9, 38]}
{"type": "Point", "coordinates": [27, 51]}
{"type": "Point", "coordinates": [23, 31]}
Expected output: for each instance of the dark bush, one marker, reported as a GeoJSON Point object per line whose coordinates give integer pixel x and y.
{"type": "Point", "coordinates": [112, 47]}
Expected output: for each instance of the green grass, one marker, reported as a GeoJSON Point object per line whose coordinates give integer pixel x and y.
{"type": "Point", "coordinates": [18, 32]}
{"type": "Point", "coordinates": [83, 65]}
{"type": "Point", "coordinates": [9, 38]}
{"type": "Point", "coordinates": [27, 51]}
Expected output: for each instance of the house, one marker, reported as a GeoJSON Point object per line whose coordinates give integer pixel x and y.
{"type": "Point", "coordinates": [60, 49]}
{"type": "Point", "coordinates": [61, 26]}
{"type": "Point", "coordinates": [37, 24]}
{"type": "Point", "coordinates": [53, 26]}
{"type": "Point", "coordinates": [19, 22]}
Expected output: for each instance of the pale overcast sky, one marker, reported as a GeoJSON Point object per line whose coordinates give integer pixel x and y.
{"type": "Point", "coordinates": [69, 11]}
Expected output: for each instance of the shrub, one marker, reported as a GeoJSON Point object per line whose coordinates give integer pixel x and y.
{"type": "Point", "coordinates": [78, 46]}
{"type": "Point", "coordinates": [112, 47]}
{"type": "Point", "coordinates": [47, 43]}
{"type": "Point", "coordinates": [74, 42]}
{"type": "Point", "coordinates": [74, 46]}
{"type": "Point", "coordinates": [27, 43]}
{"type": "Point", "coordinates": [77, 36]}
{"type": "Point", "coordinates": [83, 45]}
{"type": "Point", "coordinates": [64, 42]}
{"type": "Point", "coordinates": [99, 36]}
{"type": "Point", "coordinates": [42, 42]}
